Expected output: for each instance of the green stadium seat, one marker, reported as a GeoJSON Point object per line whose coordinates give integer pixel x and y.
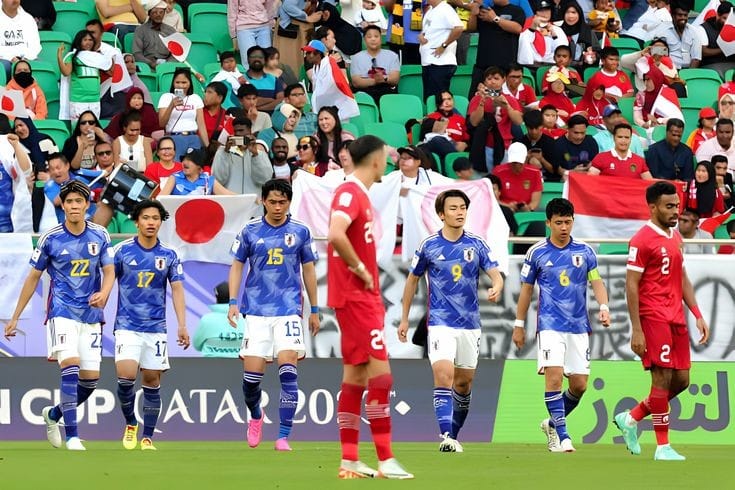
{"type": "Point", "coordinates": [472, 51]}
{"type": "Point", "coordinates": [150, 80]}
{"type": "Point", "coordinates": [351, 128]}
{"type": "Point", "coordinates": [71, 17]}
{"type": "Point", "coordinates": [393, 133]}
{"type": "Point", "coordinates": [202, 50]}
{"type": "Point", "coordinates": [449, 160]}
{"type": "Point", "coordinates": [143, 67]}
{"type": "Point", "coordinates": [613, 249]}
{"type": "Point", "coordinates": [729, 74]}
{"type": "Point", "coordinates": [659, 133]}
{"type": "Point", "coordinates": [528, 78]}
{"type": "Point", "coordinates": [699, 73]}
{"type": "Point", "coordinates": [47, 76]}
{"type": "Point", "coordinates": [368, 111]}
{"type": "Point", "coordinates": [50, 41]}
{"type": "Point", "coordinates": [155, 96]}
{"type": "Point", "coordinates": [400, 108]}
{"type": "Point", "coordinates": [411, 82]}
{"type": "Point", "coordinates": [554, 187]}
{"type": "Point", "coordinates": [626, 107]}
{"type": "Point", "coordinates": [57, 130]}
{"type": "Point", "coordinates": [128, 42]}
{"type": "Point", "coordinates": [525, 218]}
{"type": "Point", "coordinates": [111, 39]}
{"type": "Point", "coordinates": [211, 19]}
{"type": "Point", "coordinates": [592, 130]}
{"type": "Point", "coordinates": [461, 81]}
{"type": "Point", "coordinates": [125, 224]}
{"type": "Point", "coordinates": [53, 108]}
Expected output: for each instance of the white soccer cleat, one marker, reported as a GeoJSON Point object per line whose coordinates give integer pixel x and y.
{"type": "Point", "coordinates": [392, 470]}
{"type": "Point", "coordinates": [349, 470]}
{"type": "Point", "coordinates": [53, 433]}
{"type": "Point", "coordinates": [75, 444]}
{"type": "Point", "coordinates": [565, 446]}
{"type": "Point", "coordinates": [449, 445]}
{"type": "Point", "coordinates": [552, 438]}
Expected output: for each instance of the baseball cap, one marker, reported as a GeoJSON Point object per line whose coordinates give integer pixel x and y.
{"type": "Point", "coordinates": [611, 109]}
{"type": "Point", "coordinates": [517, 153]}
{"type": "Point", "coordinates": [315, 47]}
{"type": "Point", "coordinates": [543, 4]}
{"type": "Point", "coordinates": [411, 150]}
{"type": "Point", "coordinates": [707, 113]}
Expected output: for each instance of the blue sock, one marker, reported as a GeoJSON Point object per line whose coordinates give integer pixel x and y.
{"type": "Point", "coordinates": [289, 398]}
{"type": "Point", "coordinates": [69, 381]}
{"type": "Point", "coordinates": [85, 388]}
{"type": "Point", "coordinates": [126, 395]}
{"type": "Point", "coordinates": [151, 409]}
{"type": "Point", "coordinates": [443, 409]}
{"type": "Point", "coordinates": [555, 406]}
{"type": "Point", "coordinates": [570, 402]}
{"type": "Point", "coordinates": [251, 390]}
{"type": "Point", "coordinates": [460, 410]}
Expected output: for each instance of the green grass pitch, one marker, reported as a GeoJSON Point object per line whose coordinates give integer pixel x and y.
{"type": "Point", "coordinates": [313, 466]}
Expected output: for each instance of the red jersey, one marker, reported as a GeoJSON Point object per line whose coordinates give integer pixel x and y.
{"type": "Point", "coordinates": [156, 172]}
{"type": "Point", "coordinates": [518, 187]}
{"type": "Point", "coordinates": [501, 118]}
{"type": "Point", "coordinates": [658, 257]}
{"type": "Point", "coordinates": [351, 201]}
{"type": "Point", "coordinates": [609, 163]}
{"type": "Point", "coordinates": [456, 125]}
{"type": "Point", "coordinates": [617, 84]}
{"type": "Point", "coordinates": [525, 94]}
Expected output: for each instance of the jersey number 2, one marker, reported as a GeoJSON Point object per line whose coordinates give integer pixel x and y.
{"type": "Point", "coordinates": [665, 262]}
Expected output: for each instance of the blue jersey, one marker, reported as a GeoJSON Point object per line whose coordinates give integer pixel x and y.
{"type": "Point", "coordinates": [74, 263]}
{"type": "Point", "coordinates": [275, 255]}
{"type": "Point", "coordinates": [183, 186]}
{"type": "Point", "coordinates": [141, 279]}
{"type": "Point", "coordinates": [453, 274]}
{"type": "Point", "coordinates": [562, 275]}
{"type": "Point", "coordinates": [6, 200]}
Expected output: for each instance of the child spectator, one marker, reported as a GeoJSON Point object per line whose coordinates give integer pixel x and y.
{"type": "Point", "coordinates": [603, 19]}
{"type": "Point", "coordinates": [173, 17]}
{"type": "Point", "coordinates": [550, 125]}
{"type": "Point", "coordinates": [370, 15]}
{"type": "Point", "coordinates": [463, 168]}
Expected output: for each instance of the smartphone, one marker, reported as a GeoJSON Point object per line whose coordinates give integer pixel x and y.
{"type": "Point", "coordinates": [492, 93]}
{"type": "Point", "coordinates": [90, 135]}
{"type": "Point", "coordinates": [179, 92]}
{"type": "Point", "coordinates": [659, 50]}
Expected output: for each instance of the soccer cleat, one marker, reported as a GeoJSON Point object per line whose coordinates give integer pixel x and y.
{"type": "Point", "coordinates": [53, 433]}
{"type": "Point", "coordinates": [565, 446]}
{"type": "Point", "coordinates": [130, 437]}
{"type": "Point", "coordinates": [392, 470]}
{"type": "Point", "coordinates": [667, 453]}
{"type": "Point", "coordinates": [282, 445]}
{"type": "Point", "coordinates": [449, 445]}
{"type": "Point", "coordinates": [630, 434]}
{"type": "Point", "coordinates": [350, 470]}
{"type": "Point", "coordinates": [75, 444]}
{"type": "Point", "coordinates": [147, 445]}
{"type": "Point", "coordinates": [255, 432]}
{"type": "Point", "coordinates": [552, 438]}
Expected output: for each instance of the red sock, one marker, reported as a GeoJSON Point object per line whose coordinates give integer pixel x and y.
{"type": "Point", "coordinates": [348, 419]}
{"type": "Point", "coordinates": [659, 403]}
{"type": "Point", "coordinates": [641, 411]}
{"type": "Point", "coordinates": [377, 409]}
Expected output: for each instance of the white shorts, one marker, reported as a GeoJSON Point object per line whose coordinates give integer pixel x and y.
{"type": "Point", "coordinates": [266, 336]}
{"type": "Point", "coordinates": [459, 345]}
{"type": "Point", "coordinates": [66, 338]}
{"type": "Point", "coordinates": [149, 350]}
{"type": "Point", "coordinates": [568, 350]}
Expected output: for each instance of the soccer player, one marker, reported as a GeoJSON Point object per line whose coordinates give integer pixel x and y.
{"type": "Point", "coordinates": [453, 260]}
{"type": "Point", "coordinates": [354, 293]}
{"type": "Point", "coordinates": [143, 266]}
{"type": "Point", "coordinates": [656, 283]}
{"type": "Point", "coordinates": [77, 257]}
{"type": "Point", "coordinates": [280, 253]}
{"type": "Point", "coordinates": [562, 267]}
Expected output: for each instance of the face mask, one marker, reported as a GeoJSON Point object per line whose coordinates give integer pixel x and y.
{"type": "Point", "coordinates": [23, 78]}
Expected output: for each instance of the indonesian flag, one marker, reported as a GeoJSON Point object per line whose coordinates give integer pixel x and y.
{"type": "Point", "coordinates": [120, 78]}
{"type": "Point", "coordinates": [711, 224]}
{"type": "Point", "coordinates": [12, 103]}
{"type": "Point", "coordinates": [609, 207]}
{"type": "Point", "coordinates": [178, 44]}
{"type": "Point", "coordinates": [726, 39]}
{"type": "Point", "coordinates": [312, 197]}
{"type": "Point", "coordinates": [709, 11]}
{"type": "Point", "coordinates": [331, 88]}
{"type": "Point", "coordinates": [203, 227]}
{"type": "Point", "coordinates": [227, 129]}
{"type": "Point", "coordinates": [667, 105]}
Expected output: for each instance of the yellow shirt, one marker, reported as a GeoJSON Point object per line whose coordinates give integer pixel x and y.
{"type": "Point", "coordinates": [126, 18]}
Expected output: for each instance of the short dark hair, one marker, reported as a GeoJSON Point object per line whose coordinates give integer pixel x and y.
{"type": "Point", "coordinates": [58, 156]}
{"type": "Point", "coordinates": [146, 204]}
{"type": "Point", "coordinates": [290, 88]}
{"type": "Point", "coordinates": [226, 55]}
{"type": "Point", "coordinates": [253, 49]}
{"type": "Point", "coordinates": [322, 32]}
{"type": "Point", "coordinates": [549, 107]}
{"type": "Point", "coordinates": [658, 189]}
{"type": "Point", "coordinates": [461, 163]}
{"type": "Point", "coordinates": [609, 51]}
{"type": "Point", "coordinates": [724, 8]}
{"type": "Point", "coordinates": [371, 27]}
{"type": "Point", "coordinates": [166, 138]}
{"type": "Point", "coordinates": [246, 89]}
{"type": "Point", "coordinates": [363, 147]}
{"type": "Point", "coordinates": [559, 207]}
{"type": "Point", "coordinates": [692, 211]}
{"type": "Point", "coordinates": [715, 159]}
{"type": "Point", "coordinates": [95, 22]}
{"type": "Point", "coordinates": [533, 119]}
{"type": "Point", "coordinates": [494, 180]}
{"type": "Point", "coordinates": [674, 123]}
{"type": "Point", "coordinates": [131, 116]}
{"type": "Point", "coordinates": [220, 89]}
{"type": "Point", "coordinates": [442, 198]}
{"type": "Point", "coordinates": [242, 120]}
{"type": "Point", "coordinates": [74, 186]}
{"type": "Point", "coordinates": [622, 126]}
{"type": "Point", "coordinates": [278, 185]}
{"type": "Point", "coordinates": [723, 122]}
{"type": "Point", "coordinates": [513, 66]}
{"type": "Point", "coordinates": [576, 120]}
{"type": "Point", "coordinates": [493, 70]}
{"type": "Point", "coordinates": [562, 47]}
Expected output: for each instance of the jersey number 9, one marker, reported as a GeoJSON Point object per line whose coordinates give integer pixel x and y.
{"type": "Point", "coordinates": [456, 272]}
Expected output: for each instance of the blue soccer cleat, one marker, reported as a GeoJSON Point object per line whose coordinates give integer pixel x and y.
{"type": "Point", "coordinates": [667, 453]}
{"type": "Point", "coordinates": [630, 434]}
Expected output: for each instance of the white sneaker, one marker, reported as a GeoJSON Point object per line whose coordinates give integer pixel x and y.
{"type": "Point", "coordinates": [392, 470]}
{"type": "Point", "coordinates": [565, 446]}
{"type": "Point", "coordinates": [552, 438]}
{"type": "Point", "coordinates": [75, 444]}
{"type": "Point", "coordinates": [449, 445]}
{"type": "Point", "coordinates": [53, 433]}
{"type": "Point", "coordinates": [349, 470]}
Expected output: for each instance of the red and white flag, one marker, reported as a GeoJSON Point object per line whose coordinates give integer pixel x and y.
{"type": "Point", "coordinates": [12, 103]}
{"type": "Point", "coordinates": [203, 228]}
{"type": "Point", "coordinates": [331, 88]}
{"type": "Point", "coordinates": [709, 11]}
{"type": "Point", "coordinates": [227, 129]}
{"type": "Point", "coordinates": [178, 45]}
{"type": "Point", "coordinates": [667, 105]}
{"type": "Point", "coordinates": [120, 79]}
{"type": "Point", "coordinates": [726, 39]}
{"type": "Point", "coordinates": [711, 224]}
{"type": "Point", "coordinates": [609, 207]}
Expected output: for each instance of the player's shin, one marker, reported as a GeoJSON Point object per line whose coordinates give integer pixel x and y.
{"type": "Point", "coordinates": [348, 419]}
{"type": "Point", "coordinates": [151, 409]}
{"type": "Point", "coordinates": [570, 401]}
{"type": "Point", "coordinates": [126, 395]}
{"type": "Point", "coordinates": [85, 388]}
{"type": "Point", "coordinates": [460, 410]}
{"type": "Point", "coordinates": [555, 406]}
{"type": "Point", "coordinates": [69, 382]}
{"type": "Point", "coordinates": [289, 398]}
{"type": "Point", "coordinates": [377, 409]}
{"type": "Point", "coordinates": [659, 404]}
{"type": "Point", "coordinates": [251, 391]}
{"type": "Point", "coordinates": [443, 409]}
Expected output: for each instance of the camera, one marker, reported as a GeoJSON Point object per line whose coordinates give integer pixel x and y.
{"type": "Point", "coordinates": [237, 140]}
{"type": "Point", "coordinates": [659, 51]}
{"type": "Point", "coordinates": [492, 92]}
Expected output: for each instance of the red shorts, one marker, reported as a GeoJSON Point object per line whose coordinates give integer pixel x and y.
{"type": "Point", "coordinates": [667, 345]}
{"type": "Point", "coordinates": [361, 327]}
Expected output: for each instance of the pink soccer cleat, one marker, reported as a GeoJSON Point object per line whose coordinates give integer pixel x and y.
{"type": "Point", "coordinates": [282, 445]}
{"type": "Point", "coordinates": [255, 432]}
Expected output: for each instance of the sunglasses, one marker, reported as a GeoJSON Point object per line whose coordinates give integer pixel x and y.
{"type": "Point", "coordinates": [303, 147]}
{"type": "Point", "coordinates": [91, 122]}
{"type": "Point", "coordinates": [104, 153]}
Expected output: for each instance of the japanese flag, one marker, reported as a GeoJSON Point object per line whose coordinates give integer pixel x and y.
{"type": "Point", "coordinates": [203, 228]}
{"type": "Point", "coordinates": [667, 105]}
{"type": "Point", "coordinates": [726, 39]}
{"type": "Point", "coordinates": [120, 79]}
{"type": "Point", "coordinates": [178, 44]}
{"type": "Point", "coordinates": [709, 11]}
{"type": "Point", "coordinates": [12, 104]}
{"type": "Point", "coordinates": [331, 88]}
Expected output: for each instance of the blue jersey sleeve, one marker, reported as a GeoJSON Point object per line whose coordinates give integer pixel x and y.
{"type": "Point", "coordinates": [107, 253]}
{"type": "Point", "coordinates": [486, 256]}
{"type": "Point", "coordinates": [39, 259]}
{"type": "Point", "coordinates": [419, 262]}
{"type": "Point", "coordinates": [240, 247]}
{"type": "Point", "coordinates": [308, 251]}
{"type": "Point", "coordinates": [591, 261]}
{"type": "Point", "coordinates": [529, 270]}
{"type": "Point", "coordinates": [175, 270]}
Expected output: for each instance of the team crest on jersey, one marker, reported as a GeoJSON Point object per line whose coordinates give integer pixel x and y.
{"type": "Point", "coordinates": [664, 252]}
{"type": "Point", "coordinates": [469, 254]}
{"type": "Point", "coordinates": [160, 263]}
{"type": "Point", "coordinates": [289, 239]}
{"type": "Point", "coordinates": [577, 260]}
{"type": "Point", "coordinates": [526, 184]}
{"type": "Point", "coordinates": [93, 248]}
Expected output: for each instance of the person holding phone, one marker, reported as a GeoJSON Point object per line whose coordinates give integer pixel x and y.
{"type": "Point", "coordinates": [180, 112]}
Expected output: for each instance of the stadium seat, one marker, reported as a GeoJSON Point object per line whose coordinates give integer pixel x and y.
{"type": "Point", "coordinates": [368, 111]}
{"type": "Point", "coordinates": [72, 17]}
{"type": "Point", "coordinates": [47, 76]}
{"type": "Point", "coordinates": [691, 118]}
{"type": "Point", "coordinates": [554, 187]}
{"type": "Point", "coordinates": [351, 128]}
{"type": "Point", "coordinates": [626, 107]}
{"type": "Point", "coordinates": [393, 133]}
{"type": "Point", "coordinates": [53, 108]}
{"type": "Point", "coordinates": [128, 42]}
{"type": "Point", "coordinates": [411, 82]}
{"type": "Point", "coordinates": [592, 130]}
{"type": "Point", "coordinates": [57, 130]}
{"type": "Point", "coordinates": [551, 190]}
{"type": "Point", "coordinates": [211, 19]}
{"type": "Point", "coordinates": [155, 96]}
{"type": "Point", "coordinates": [50, 41]}
{"type": "Point", "coordinates": [525, 218]}
{"type": "Point", "coordinates": [528, 78]}
{"type": "Point", "coordinates": [449, 160]}
{"type": "Point", "coordinates": [460, 103]}
{"type": "Point", "coordinates": [729, 74]}
{"type": "Point", "coordinates": [143, 67]}
{"type": "Point", "coordinates": [202, 50]}
{"type": "Point", "coordinates": [125, 224]}
{"type": "Point", "coordinates": [695, 73]}
{"type": "Point", "coordinates": [613, 249]}
{"type": "Point", "coordinates": [461, 80]}
{"type": "Point", "coordinates": [540, 74]}
{"type": "Point", "coordinates": [472, 51]}
{"type": "Point", "coordinates": [400, 108]}
{"type": "Point", "coordinates": [659, 133]}
{"type": "Point", "coordinates": [150, 80]}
